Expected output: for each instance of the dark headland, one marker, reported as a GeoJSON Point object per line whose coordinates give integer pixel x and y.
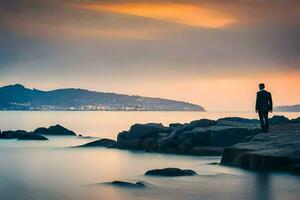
{"type": "Point", "coordinates": [289, 108]}
{"type": "Point", "coordinates": [17, 97]}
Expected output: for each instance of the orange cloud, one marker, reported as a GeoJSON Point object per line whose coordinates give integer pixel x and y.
{"type": "Point", "coordinates": [174, 12]}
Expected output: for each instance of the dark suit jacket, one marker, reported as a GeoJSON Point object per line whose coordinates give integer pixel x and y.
{"type": "Point", "coordinates": [264, 101]}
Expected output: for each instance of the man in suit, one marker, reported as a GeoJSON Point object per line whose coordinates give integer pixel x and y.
{"type": "Point", "coordinates": [264, 105]}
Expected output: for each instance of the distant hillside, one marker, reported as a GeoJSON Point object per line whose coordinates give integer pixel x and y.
{"type": "Point", "coordinates": [291, 108]}
{"type": "Point", "coordinates": [17, 97]}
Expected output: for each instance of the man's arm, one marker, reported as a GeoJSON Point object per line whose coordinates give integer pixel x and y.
{"type": "Point", "coordinates": [257, 102]}
{"type": "Point", "coordinates": [271, 102]}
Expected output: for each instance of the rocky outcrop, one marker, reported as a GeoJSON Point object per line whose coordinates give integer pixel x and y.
{"type": "Point", "coordinates": [99, 143]}
{"type": "Point", "coordinates": [199, 137]}
{"type": "Point", "coordinates": [21, 135]}
{"type": "Point", "coordinates": [171, 172]}
{"type": "Point", "coordinates": [277, 150]}
{"type": "Point", "coordinates": [37, 134]}
{"type": "Point", "coordinates": [56, 130]}
{"type": "Point", "coordinates": [127, 184]}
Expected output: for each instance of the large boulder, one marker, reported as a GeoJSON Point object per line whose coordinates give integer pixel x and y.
{"type": "Point", "coordinates": [277, 150]}
{"type": "Point", "coordinates": [149, 144]}
{"type": "Point", "coordinates": [172, 172]}
{"type": "Point", "coordinates": [230, 136]}
{"type": "Point", "coordinates": [21, 135]}
{"type": "Point", "coordinates": [141, 131]}
{"type": "Point", "coordinates": [56, 130]}
{"type": "Point", "coordinates": [200, 138]}
{"type": "Point", "coordinates": [100, 143]}
{"type": "Point", "coordinates": [194, 124]}
{"type": "Point", "coordinates": [12, 134]}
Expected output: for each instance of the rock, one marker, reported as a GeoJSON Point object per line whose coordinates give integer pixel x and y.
{"type": "Point", "coordinates": [148, 144]}
{"type": "Point", "coordinates": [21, 135]}
{"type": "Point", "coordinates": [194, 124]}
{"type": "Point", "coordinates": [238, 120]}
{"type": "Point", "coordinates": [296, 120]}
{"type": "Point", "coordinates": [175, 125]}
{"type": "Point", "coordinates": [12, 134]}
{"type": "Point", "coordinates": [213, 163]}
{"type": "Point", "coordinates": [100, 143]}
{"type": "Point", "coordinates": [31, 136]}
{"type": "Point", "coordinates": [128, 184]}
{"type": "Point", "coordinates": [127, 144]}
{"type": "Point", "coordinates": [277, 150]}
{"type": "Point", "coordinates": [230, 136]}
{"type": "Point", "coordinates": [122, 135]}
{"type": "Point", "coordinates": [201, 138]}
{"type": "Point", "coordinates": [277, 119]}
{"type": "Point", "coordinates": [56, 130]}
{"type": "Point", "coordinates": [140, 131]}
{"type": "Point", "coordinates": [171, 172]}
{"type": "Point", "coordinates": [206, 151]}
{"type": "Point", "coordinates": [234, 124]}
{"type": "Point", "coordinates": [161, 135]}
{"type": "Point", "coordinates": [165, 144]}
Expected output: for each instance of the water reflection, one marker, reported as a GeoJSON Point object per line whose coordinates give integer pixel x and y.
{"type": "Point", "coordinates": [263, 186]}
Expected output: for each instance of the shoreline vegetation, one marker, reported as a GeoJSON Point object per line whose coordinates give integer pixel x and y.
{"type": "Point", "coordinates": [239, 141]}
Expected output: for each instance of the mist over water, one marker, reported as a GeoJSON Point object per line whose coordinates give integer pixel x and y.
{"type": "Point", "coordinates": [48, 170]}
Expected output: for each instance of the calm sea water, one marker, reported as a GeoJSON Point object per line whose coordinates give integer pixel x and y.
{"type": "Point", "coordinates": [49, 170]}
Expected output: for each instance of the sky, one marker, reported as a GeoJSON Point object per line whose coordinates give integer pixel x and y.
{"type": "Point", "coordinates": [209, 52]}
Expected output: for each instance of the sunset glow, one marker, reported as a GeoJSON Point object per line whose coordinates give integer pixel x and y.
{"type": "Point", "coordinates": [173, 12]}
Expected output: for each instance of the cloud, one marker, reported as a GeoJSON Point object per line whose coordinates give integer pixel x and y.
{"type": "Point", "coordinates": [170, 11]}
{"type": "Point", "coordinates": [165, 36]}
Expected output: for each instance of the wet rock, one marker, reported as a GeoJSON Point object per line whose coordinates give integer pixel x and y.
{"type": "Point", "coordinates": [171, 172]}
{"type": "Point", "coordinates": [100, 143]}
{"type": "Point", "coordinates": [213, 163]}
{"type": "Point", "coordinates": [31, 136]}
{"type": "Point", "coordinates": [12, 134]}
{"type": "Point", "coordinates": [140, 131]}
{"type": "Point", "coordinates": [56, 130]}
{"type": "Point", "coordinates": [128, 184]}
{"type": "Point", "coordinates": [21, 135]}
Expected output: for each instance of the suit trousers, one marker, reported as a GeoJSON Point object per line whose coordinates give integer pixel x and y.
{"type": "Point", "coordinates": [264, 120]}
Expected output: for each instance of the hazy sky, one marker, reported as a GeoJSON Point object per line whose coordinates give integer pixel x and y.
{"type": "Point", "coordinates": [208, 52]}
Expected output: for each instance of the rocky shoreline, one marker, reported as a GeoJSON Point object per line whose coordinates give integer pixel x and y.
{"type": "Point", "coordinates": [202, 137]}
{"type": "Point", "coordinates": [277, 150]}
{"type": "Point", "coordinates": [239, 141]}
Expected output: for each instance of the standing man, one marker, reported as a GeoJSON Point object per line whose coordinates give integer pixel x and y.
{"type": "Point", "coordinates": [264, 105]}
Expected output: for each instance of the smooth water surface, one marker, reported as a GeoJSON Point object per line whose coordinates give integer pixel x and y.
{"type": "Point", "coordinates": [49, 170]}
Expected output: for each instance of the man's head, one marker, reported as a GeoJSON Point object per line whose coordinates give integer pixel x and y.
{"type": "Point", "coordinates": [261, 86]}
